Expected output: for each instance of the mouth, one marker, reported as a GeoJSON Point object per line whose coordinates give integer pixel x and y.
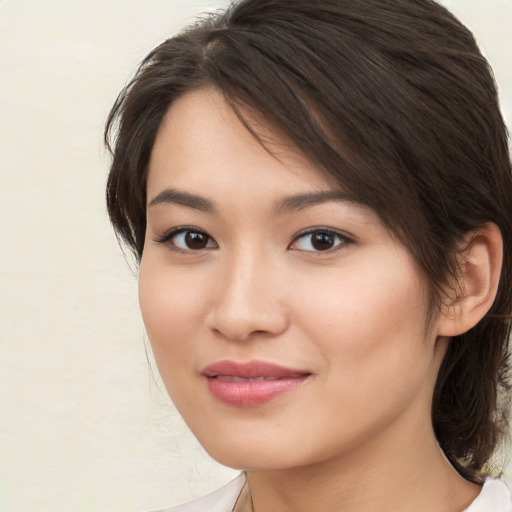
{"type": "Point", "coordinates": [232, 378]}
{"type": "Point", "coordinates": [252, 383]}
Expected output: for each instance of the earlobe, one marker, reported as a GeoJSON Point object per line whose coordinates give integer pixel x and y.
{"type": "Point", "coordinates": [480, 269]}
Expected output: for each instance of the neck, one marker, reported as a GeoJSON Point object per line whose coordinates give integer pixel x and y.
{"type": "Point", "coordinates": [398, 472]}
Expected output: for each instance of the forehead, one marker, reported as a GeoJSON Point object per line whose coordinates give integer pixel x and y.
{"type": "Point", "coordinates": [201, 139]}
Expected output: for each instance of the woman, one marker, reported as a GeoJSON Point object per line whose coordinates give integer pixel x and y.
{"type": "Point", "coordinates": [318, 194]}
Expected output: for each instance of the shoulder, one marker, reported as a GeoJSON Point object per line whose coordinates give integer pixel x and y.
{"type": "Point", "coordinates": [220, 500]}
{"type": "Point", "coordinates": [494, 497]}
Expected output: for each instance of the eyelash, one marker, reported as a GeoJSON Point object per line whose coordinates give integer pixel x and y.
{"type": "Point", "coordinates": [167, 239]}
{"type": "Point", "coordinates": [342, 239]}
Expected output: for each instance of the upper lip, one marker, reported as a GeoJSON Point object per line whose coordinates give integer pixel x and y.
{"type": "Point", "coordinates": [251, 370]}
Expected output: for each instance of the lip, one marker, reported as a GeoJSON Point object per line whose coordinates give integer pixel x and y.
{"type": "Point", "coordinates": [252, 383]}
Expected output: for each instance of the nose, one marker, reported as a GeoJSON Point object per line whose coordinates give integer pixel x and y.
{"type": "Point", "coordinates": [249, 299]}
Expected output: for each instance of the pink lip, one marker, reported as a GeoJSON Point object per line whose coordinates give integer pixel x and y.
{"type": "Point", "coordinates": [250, 384]}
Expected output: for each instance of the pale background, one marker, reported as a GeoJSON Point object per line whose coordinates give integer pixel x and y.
{"type": "Point", "coordinates": [83, 426]}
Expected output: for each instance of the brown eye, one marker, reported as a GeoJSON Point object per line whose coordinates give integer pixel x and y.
{"type": "Point", "coordinates": [319, 240]}
{"type": "Point", "coordinates": [188, 240]}
{"type": "Point", "coordinates": [196, 240]}
{"type": "Point", "coordinates": [323, 241]}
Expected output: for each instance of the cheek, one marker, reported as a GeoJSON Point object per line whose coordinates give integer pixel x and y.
{"type": "Point", "coordinates": [172, 303]}
{"type": "Point", "coordinates": [374, 352]}
{"type": "Point", "coordinates": [369, 322]}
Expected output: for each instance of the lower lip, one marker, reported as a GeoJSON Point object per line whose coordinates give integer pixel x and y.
{"type": "Point", "coordinates": [252, 393]}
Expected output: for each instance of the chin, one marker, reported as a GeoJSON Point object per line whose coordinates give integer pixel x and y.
{"type": "Point", "coordinates": [240, 456]}
{"type": "Point", "coordinates": [246, 454]}
{"type": "Point", "coordinates": [260, 455]}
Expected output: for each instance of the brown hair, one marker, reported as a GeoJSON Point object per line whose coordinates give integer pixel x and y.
{"type": "Point", "coordinates": [393, 99]}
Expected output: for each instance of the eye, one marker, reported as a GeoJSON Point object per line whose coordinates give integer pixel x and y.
{"type": "Point", "coordinates": [187, 239]}
{"type": "Point", "coordinates": [319, 240]}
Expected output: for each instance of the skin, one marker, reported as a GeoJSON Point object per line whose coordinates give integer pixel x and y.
{"type": "Point", "coordinates": [356, 435]}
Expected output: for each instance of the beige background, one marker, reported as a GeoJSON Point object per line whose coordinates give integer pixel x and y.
{"type": "Point", "coordinates": [83, 425]}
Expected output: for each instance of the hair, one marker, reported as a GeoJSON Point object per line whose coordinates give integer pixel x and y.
{"type": "Point", "coordinates": [394, 100]}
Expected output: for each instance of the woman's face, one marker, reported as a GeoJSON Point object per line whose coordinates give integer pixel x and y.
{"type": "Point", "coordinates": [287, 324]}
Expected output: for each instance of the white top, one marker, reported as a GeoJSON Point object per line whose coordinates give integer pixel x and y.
{"type": "Point", "coordinates": [494, 497]}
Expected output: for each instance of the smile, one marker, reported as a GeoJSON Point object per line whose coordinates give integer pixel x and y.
{"type": "Point", "coordinates": [250, 384]}
{"type": "Point", "coordinates": [231, 378]}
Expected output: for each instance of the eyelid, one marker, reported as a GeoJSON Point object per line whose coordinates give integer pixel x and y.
{"type": "Point", "coordinates": [166, 237]}
{"type": "Point", "coordinates": [345, 238]}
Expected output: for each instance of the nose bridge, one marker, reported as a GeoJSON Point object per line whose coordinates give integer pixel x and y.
{"type": "Point", "coordinates": [249, 297]}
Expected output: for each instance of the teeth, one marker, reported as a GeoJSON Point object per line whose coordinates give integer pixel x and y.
{"type": "Point", "coordinates": [230, 378]}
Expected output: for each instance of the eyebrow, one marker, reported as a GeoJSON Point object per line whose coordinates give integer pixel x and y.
{"type": "Point", "coordinates": [287, 205]}
{"type": "Point", "coordinates": [173, 196]}
{"type": "Point", "coordinates": [301, 201]}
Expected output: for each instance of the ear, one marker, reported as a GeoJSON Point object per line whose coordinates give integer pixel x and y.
{"type": "Point", "coordinates": [480, 270]}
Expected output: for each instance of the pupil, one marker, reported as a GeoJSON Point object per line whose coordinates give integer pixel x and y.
{"type": "Point", "coordinates": [322, 241]}
{"type": "Point", "coordinates": [196, 240]}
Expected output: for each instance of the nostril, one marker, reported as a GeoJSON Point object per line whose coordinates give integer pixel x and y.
{"type": "Point", "coordinates": [243, 307]}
